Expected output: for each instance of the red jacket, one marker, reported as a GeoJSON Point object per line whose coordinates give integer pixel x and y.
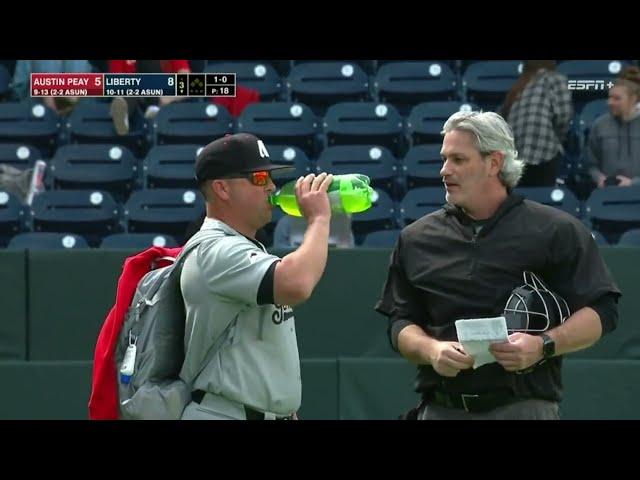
{"type": "Point", "coordinates": [244, 96]}
{"type": "Point", "coordinates": [103, 403]}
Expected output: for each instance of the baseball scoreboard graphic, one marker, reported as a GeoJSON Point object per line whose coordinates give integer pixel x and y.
{"type": "Point", "coordinates": [133, 85]}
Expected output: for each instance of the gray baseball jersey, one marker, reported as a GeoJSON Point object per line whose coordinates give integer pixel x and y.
{"type": "Point", "coordinates": [258, 365]}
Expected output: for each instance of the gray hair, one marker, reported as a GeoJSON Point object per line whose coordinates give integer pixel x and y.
{"type": "Point", "coordinates": [492, 134]}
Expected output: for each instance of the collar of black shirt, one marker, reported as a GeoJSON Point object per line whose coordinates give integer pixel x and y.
{"type": "Point", "coordinates": [510, 202]}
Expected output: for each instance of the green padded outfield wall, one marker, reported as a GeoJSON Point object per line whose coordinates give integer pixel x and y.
{"type": "Point", "coordinates": [70, 294]}
{"type": "Point", "coordinates": [13, 310]}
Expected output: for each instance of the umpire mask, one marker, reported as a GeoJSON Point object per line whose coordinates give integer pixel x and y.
{"type": "Point", "coordinates": [533, 308]}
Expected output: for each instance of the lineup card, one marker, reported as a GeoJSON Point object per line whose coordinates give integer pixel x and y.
{"type": "Point", "coordinates": [133, 85]}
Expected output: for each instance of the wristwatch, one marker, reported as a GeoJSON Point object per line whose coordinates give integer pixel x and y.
{"type": "Point", "coordinates": [548, 346]}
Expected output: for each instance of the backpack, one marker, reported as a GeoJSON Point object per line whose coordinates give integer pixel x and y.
{"type": "Point", "coordinates": [150, 348]}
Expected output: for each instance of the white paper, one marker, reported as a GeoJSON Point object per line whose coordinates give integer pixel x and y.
{"type": "Point", "coordinates": [476, 334]}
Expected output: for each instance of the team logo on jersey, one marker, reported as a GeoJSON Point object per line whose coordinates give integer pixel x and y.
{"type": "Point", "coordinates": [253, 256]}
{"type": "Point", "coordinates": [262, 149]}
{"type": "Point", "coordinates": [281, 314]}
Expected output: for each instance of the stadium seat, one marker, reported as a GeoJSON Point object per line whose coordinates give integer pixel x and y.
{"type": "Point", "coordinates": [29, 123]}
{"type": "Point", "coordinates": [487, 83]}
{"type": "Point", "coordinates": [281, 123]}
{"type": "Point", "coordinates": [192, 123]}
{"type": "Point", "coordinates": [419, 202]}
{"type": "Point", "coordinates": [171, 166]}
{"type": "Point", "coordinates": [591, 111]}
{"type": "Point", "coordinates": [367, 123]}
{"type": "Point", "coordinates": [90, 213]}
{"type": "Point", "coordinates": [321, 84]}
{"type": "Point", "coordinates": [47, 241]}
{"type": "Point", "coordinates": [381, 216]}
{"type": "Point", "coordinates": [258, 76]}
{"type": "Point", "coordinates": [426, 120]}
{"type": "Point", "coordinates": [599, 238]}
{"type": "Point", "coordinates": [139, 241]}
{"type": "Point", "coordinates": [91, 122]}
{"type": "Point", "coordinates": [381, 239]}
{"type": "Point", "coordinates": [378, 163]}
{"type": "Point", "coordinates": [630, 238]}
{"type": "Point", "coordinates": [614, 210]}
{"type": "Point", "coordinates": [164, 210]}
{"type": "Point", "coordinates": [558, 197]}
{"type": "Point", "coordinates": [422, 166]}
{"type": "Point", "coordinates": [102, 167]}
{"type": "Point", "coordinates": [12, 216]}
{"type": "Point", "coordinates": [369, 66]}
{"type": "Point", "coordinates": [19, 155]}
{"type": "Point", "coordinates": [405, 84]}
{"type": "Point", "coordinates": [290, 156]}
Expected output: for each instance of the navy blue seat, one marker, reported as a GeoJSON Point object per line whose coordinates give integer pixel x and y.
{"type": "Point", "coordinates": [90, 213]}
{"type": "Point", "coordinates": [422, 166]}
{"type": "Point", "coordinates": [192, 123]}
{"type": "Point", "coordinates": [281, 123]}
{"type": "Point", "coordinates": [591, 111]}
{"type": "Point", "coordinates": [558, 197]}
{"type": "Point", "coordinates": [381, 239]}
{"type": "Point", "coordinates": [47, 241]}
{"type": "Point", "coordinates": [12, 216]}
{"type": "Point", "coordinates": [420, 202]}
{"type": "Point", "coordinates": [290, 156]}
{"type": "Point", "coordinates": [630, 238]}
{"type": "Point", "coordinates": [91, 122]}
{"type": "Point", "coordinates": [19, 155]}
{"type": "Point", "coordinates": [164, 210]}
{"type": "Point", "coordinates": [171, 166]}
{"type": "Point", "coordinates": [138, 241]}
{"type": "Point", "coordinates": [381, 216]}
{"type": "Point", "coordinates": [259, 76]}
{"type": "Point", "coordinates": [365, 123]}
{"type": "Point", "coordinates": [487, 83]}
{"type": "Point", "coordinates": [405, 84]}
{"type": "Point", "coordinates": [600, 240]}
{"type": "Point", "coordinates": [614, 210]}
{"type": "Point", "coordinates": [378, 163]}
{"type": "Point", "coordinates": [320, 84]}
{"type": "Point", "coordinates": [369, 66]}
{"type": "Point", "coordinates": [29, 123]}
{"type": "Point", "coordinates": [102, 167]}
{"type": "Point", "coordinates": [426, 120]}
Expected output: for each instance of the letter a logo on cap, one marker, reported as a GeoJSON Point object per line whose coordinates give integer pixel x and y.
{"type": "Point", "coordinates": [262, 149]}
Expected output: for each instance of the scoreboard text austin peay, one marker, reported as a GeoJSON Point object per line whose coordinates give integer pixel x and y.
{"type": "Point", "coordinates": [133, 85]}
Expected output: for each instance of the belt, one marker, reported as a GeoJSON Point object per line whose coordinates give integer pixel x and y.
{"type": "Point", "coordinates": [472, 402]}
{"type": "Point", "coordinates": [250, 413]}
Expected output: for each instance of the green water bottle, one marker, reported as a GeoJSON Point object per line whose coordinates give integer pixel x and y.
{"type": "Point", "coordinates": [348, 193]}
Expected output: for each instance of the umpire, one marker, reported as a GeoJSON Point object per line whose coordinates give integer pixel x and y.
{"type": "Point", "coordinates": [463, 261]}
{"type": "Point", "coordinates": [240, 335]}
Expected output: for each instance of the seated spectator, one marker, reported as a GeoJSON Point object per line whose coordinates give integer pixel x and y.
{"type": "Point", "coordinates": [124, 108]}
{"type": "Point", "coordinates": [538, 109]}
{"type": "Point", "coordinates": [22, 80]}
{"type": "Point", "coordinates": [613, 148]}
{"type": "Point", "coordinates": [290, 231]}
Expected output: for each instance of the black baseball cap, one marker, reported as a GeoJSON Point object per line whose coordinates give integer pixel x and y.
{"type": "Point", "coordinates": [234, 154]}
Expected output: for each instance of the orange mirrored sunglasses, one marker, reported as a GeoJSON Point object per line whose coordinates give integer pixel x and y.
{"type": "Point", "coordinates": [259, 179]}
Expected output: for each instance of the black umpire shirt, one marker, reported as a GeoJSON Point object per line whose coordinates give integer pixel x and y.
{"type": "Point", "coordinates": [443, 269]}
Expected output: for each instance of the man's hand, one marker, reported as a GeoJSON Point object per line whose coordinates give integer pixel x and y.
{"type": "Point", "coordinates": [448, 358]}
{"type": "Point", "coordinates": [601, 179]}
{"type": "Point", "coordinates": [311, 192]}
{"type": "Point", "coordinates": [623, 181]}
{"type": "Point", "coordinates": [520, 352]}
